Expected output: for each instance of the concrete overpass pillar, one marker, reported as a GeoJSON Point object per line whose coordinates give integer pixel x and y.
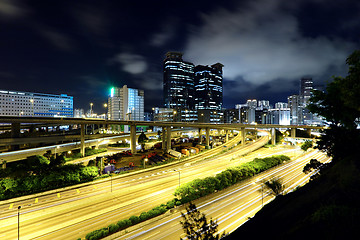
{"type": "Point", "coordinates": [207, 145]}
{"type": "Point", "coordinates": [200, 137]}
{"type": "Point", "coordinates": [293, 132]}
{"type": "Point", "coordinates": [15, 130]}
{"type": "Point", "coordinates": [82, 139]}
{"type": "Point", "coordinates": [15, 133]}
{"type": "Point", "coordinates": [163, 138]}
{"type": "Point", "coordinates": [133, 138]}
{"type": "Point", "coordinates": [168, 138]}
{"type": "Point", "coordinates": [227, 135]}
{"type": "Point", "coordinates": [243, 136]}
{"type": "Point", "coordinates": [273, 136]}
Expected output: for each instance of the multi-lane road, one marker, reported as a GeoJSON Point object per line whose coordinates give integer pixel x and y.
{"type": "Point", "coordinates": [232, 206]}
{"type": "Point", "coordinates": [72, 212]}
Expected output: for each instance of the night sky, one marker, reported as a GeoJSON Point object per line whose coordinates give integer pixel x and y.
{"type": "Point", "coordinates": [82, 48]}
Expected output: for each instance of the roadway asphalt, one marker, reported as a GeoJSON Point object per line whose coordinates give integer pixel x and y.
{"type": "Point", "coordinates": [231, 207]}
{"type": "Point", "coordinates": [71, 213]}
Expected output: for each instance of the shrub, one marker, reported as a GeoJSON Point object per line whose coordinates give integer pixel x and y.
{"type": "Point", "coordinates": [113, 228]}
{"type": "Point", "coordinates": [124, 223]}
{"type": "Point", "coordinates": [144, 216]}
{"type": "Point", "coordinates": [134, 219]}
{"type": "Point", "coordinates": [170, 204]}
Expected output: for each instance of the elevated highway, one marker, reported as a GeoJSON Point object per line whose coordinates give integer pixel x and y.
{"type": "Point", "coordinates": [18, 123]}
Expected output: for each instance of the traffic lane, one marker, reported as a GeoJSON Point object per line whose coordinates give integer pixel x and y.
{"type": "Point", "coordinates": [91, 208]}
{"type": "Point", "coordinates": [65, 195]}
{"type": "Point", "coordinates": [228, 211]}
{"type": "Point", "coordinates": [211, 169]}
{"type": "Point", "coordinates": [69, 193]}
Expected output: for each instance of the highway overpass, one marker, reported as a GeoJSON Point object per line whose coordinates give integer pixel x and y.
{"type": "Point", "coordinates": [16, 124]}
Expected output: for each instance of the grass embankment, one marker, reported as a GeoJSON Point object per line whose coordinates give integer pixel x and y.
{"type": "Point", "coordinates": [326, 208]}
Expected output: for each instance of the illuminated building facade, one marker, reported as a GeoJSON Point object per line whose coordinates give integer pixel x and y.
{"type": "Point", "coordinates": [28, 104]}
{"type": "Point", "coordinates": [296, 110]}
{"type": "Point", "coordinates": [178, 82]}
{"type": "Point", "coordinates": [306, 87]}
{"type": "Point", "coordinates": [208, 87]}
{"type": "Point", "coordinates": [126, 104]}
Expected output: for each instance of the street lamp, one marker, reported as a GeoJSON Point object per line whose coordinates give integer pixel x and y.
{"type": "Point", "coordinates": [145, 160]}
{"type": "Point", "coordinates": [105, 106]}
{"type": "Point", "coordinates": [19, 222]}
{"type": "Point", "coordinates": [91, 105]}
{"type": "Point", "coordinates": [174, 116]}
{"type": "Point", "coordinates": [179, 175]}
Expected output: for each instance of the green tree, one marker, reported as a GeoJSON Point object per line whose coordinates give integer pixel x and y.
{"type": "Point", "coordinates": [306, 145]}
{"type": "Point", "coordinates": [196, 226]}
{"type": "Point", "coordinates": [276, 186]}
{"type": "Point", "coordinates": [340, 106]}
{"type": "Point", "coordinates": [142, 140]}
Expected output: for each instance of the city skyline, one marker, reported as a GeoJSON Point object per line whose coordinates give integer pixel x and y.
{"type": "Point", "coordinates": [82, 49]}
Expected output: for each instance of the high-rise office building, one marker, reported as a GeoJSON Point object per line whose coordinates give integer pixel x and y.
{"type": "Point", "coordinates": [126, 104]}
{"type": "Point", "coordinates": [209, 92]}
{"type": "Point", "coordinates": [178, 82]}
{"type": "Point", "coordinates": [306, 87]}
{"type": "Point", "coordinates": [182, 83]}
{"type": "Point", "coordinates": [28, 104]}
{"type": "Point", "coordinates": [208, 87]}
{"type": "Point", "coordinates": [296, 110]}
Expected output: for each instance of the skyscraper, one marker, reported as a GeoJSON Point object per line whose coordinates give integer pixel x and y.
{"type": "Point", "coordinates": [306, 87]}
{"type": "Point", "coordinates": [296, 113]}
{"type": "Point", "coordinates": [126, 104]}
{"type": "Point", "coordinates": [208, 92]}
{"type": "Point", "coordinates": [178, 82]}
{"type": "Point", "coordinates": [208, 87]}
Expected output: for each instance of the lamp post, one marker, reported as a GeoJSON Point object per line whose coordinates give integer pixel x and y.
{"type": "Point", "coordinates": [145, 160]}
{"type": "Point", "coordinates": [174, 116]}
{"type": "Point", "coordinates": [179, 175]}
{"type": "Point", "coordinates": [19, 222]}
{"type": "Point", "coordinates": [105, 106]}
{"type": "Point", "coordinates": [91, 105]}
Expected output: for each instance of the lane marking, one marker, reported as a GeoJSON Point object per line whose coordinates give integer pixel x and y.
{"type": "Point", "coordinates": [95, 187]}
{"type": "Point", "coordinates": [77, 190]}
{"type": "Point", "coordinates": [36, 200]}
{"type": "Point", "coordinates": [11, 206]}
{"type": "Point", "coordinates": [58, 195]}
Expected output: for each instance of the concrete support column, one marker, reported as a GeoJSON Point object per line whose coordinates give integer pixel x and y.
{"type": "Point", "coordinates": [273, 136]}
{"type": "Point", "coordinates": [15, 133]}
{"type": "Point", "coordinates": [243, 136]}
{"type": "Point", "coordinates": [163, 146]}
{"type": "Point", "coordinates": [15, 130]}
{"type": "Point", "coordinates": [82, 139]}
{"type": "Point", "coordinates": [227, 136]}
{"type": "Point", "coordinates": [168, 138]}
{"type": "Point", "coordinates": [293, 132]}
{"type": "Point", "coordinates": [207, 145]}
{"type": "Point", "coordinates": [200, 137]}
{"type": "Point", "coordinates": [133, 138]}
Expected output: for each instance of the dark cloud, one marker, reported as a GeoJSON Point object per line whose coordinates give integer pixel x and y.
{"type": "Point", "coordinates": [261, 42]}
{"type": "Point", "coordinates": [11, 9]}
{"type": "Point", "coordinates": [131, 63]}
